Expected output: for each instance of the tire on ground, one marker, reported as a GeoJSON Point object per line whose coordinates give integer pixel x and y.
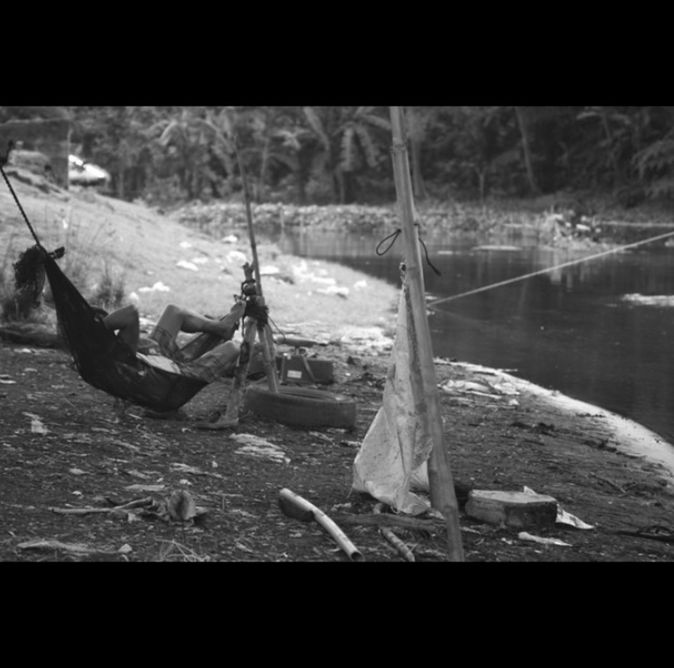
{"type": "Point", "coordinates": [301, 407]}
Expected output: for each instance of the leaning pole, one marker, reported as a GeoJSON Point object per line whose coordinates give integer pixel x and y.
{"type": "Point", "coordinates": [440, 478]}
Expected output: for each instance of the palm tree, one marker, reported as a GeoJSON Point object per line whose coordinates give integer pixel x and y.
{"type": "Point", "coordinates": [346, 142]}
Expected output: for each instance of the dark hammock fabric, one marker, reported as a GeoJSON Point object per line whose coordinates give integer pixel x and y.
{"type": "Point", "coordinates": [108, 363]}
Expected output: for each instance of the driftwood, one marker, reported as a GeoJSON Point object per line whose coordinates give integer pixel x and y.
{"type": "Point", "coordinates": [393, 539]}
{"type": "Point", "coordinates": [299, 508]}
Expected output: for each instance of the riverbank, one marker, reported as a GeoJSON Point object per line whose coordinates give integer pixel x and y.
{"type": "Point", "coordinates": [63, 449]}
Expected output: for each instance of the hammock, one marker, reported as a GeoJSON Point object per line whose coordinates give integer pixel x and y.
{"type": "Point", "coordinates": [106, 362]}
{"type": "Point", "coordinates": [102, 359]}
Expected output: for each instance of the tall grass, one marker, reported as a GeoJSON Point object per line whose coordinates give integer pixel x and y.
{"type": "Point", "coordinates": [81, 264]}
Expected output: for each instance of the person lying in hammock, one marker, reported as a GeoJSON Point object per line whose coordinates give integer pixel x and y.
{"type": "Point", "coordinates": [161, 348]}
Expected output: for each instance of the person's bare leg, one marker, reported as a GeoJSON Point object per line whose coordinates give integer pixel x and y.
{"type": "Point", "coordinates": [127, 321]}
{"type": "Point", "coordinates": [189, 322]}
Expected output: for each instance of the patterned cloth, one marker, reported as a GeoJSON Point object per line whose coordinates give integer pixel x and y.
{"type": "Point", "coordinates": [162, 351]}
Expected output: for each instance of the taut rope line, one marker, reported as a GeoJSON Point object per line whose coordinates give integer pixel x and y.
{"type": "Point", "coordinates": [508, 281]}
{"type": "Point", "coordinates": [23, 213]}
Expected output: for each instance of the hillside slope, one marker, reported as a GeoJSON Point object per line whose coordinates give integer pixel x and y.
{"type": "Point", "coordinates": [140, 249]}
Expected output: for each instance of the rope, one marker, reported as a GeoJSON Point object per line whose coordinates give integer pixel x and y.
{"type": "Point", "coordinates": [394, 237]}
{"type": "Point", "coordinates": [23, 213]}
{"type": "Point", "coordinates": [570, 263]}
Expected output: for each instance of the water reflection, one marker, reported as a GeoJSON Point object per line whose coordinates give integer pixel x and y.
{"type": "Point", "coordinates": [567, 330]}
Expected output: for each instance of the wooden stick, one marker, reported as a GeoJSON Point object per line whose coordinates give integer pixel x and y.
{"type": "Point", "coordinates": [393, 539]}
{"type": "Point", "coordinates": [265, 333]}
{"type": "Point", "coordinates": [439, 474]}
{"type": "Point", "coordinates": [80, 511]}
{"type": "Point", "coordinates": [299, 508]}
{"type": "Point", "coordinates": [231, 417]}
{"type": "Point", "coordinates": [388, 519]}
{"type": "Point", "coordinates": [92, 509]}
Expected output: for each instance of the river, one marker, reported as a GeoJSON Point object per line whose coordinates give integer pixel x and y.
{"type": "Point", "coordinates": [571, 330]}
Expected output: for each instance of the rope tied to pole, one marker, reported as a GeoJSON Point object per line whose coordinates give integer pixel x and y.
{"type": "Point", "coordinates": [394, 237]}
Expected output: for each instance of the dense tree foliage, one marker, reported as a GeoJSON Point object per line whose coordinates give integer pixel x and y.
{"type": "Point", "coordinates": [323, 155]}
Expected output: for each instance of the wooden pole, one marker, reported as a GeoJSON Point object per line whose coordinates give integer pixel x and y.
{"type": "Point", "coordinates": [440, 479]}
{"type": "Point", "coordinates": [264, 332]}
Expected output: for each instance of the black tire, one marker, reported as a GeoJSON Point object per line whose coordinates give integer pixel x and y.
{"type": "Point", "coordinates": [301, 407]}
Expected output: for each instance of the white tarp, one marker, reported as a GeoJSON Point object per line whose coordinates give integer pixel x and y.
{"type": "Point", "coordinates": [392, 457]}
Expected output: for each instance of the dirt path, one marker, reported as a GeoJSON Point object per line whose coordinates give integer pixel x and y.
{"type": "Point", "coordinates": [62, 446]}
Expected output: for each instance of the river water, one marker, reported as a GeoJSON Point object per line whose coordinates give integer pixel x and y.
{"type": "Point", "coordinates": [571, 330]}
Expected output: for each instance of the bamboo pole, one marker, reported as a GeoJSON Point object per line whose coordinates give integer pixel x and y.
{"type": "Point", "coordinates": [441, 483]}
{"type": "Point", "coordinates": [299, 508]}
{"type": "Point", "coordinates": [264, 332]}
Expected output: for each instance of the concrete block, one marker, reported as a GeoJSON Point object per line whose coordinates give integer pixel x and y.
{"type": "Point", "coordinates": [513, 509]}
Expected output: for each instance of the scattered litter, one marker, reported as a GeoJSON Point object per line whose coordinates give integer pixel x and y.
{"type": "Point", "coordinates": [185, 244]}
{"type": "Point", "coordinates": [360, 285]}
{"type": "Point", "coordinates": [467, 387]}
{"type": "Point", "coordinates": [334, 290]}
{"type": "Point", "coordinates": [571, 520]}
{"type": "Point", "coordinates": [258, 447]}
{"type": "Point", "coordinates": [125, 549]}
{"type": "Point", "coordinates": [36, 424]}
{"type": "Point", "coordinates": [320, 437]}
{"type": "Point", "coordinates": [157, 287]}
{"type": "Point", "coordinates": [523, 535]}
{"type": "Point", "coordinates": [490, 390]}
{"type": "Point", "coordinates": [181, 506]}
{"type": "Point", "coordinates": [186, 468]}
{"type": "Point", "coordinates": [269, 270]}
{"type": "Point", "coordinates": [236, 257]}
{"type": "Point", "coordinates": [230, 239]}
{"type": "Point", "coordinates": [243, 513]}
{"type": "Point", "coordinates": [495, 247]}
{"type": "Point", "coordinates": [77, 471]}
{"type": "Point", "coordinates": [199, 260]}
{"type": "Point", "coordinates": [649, 300]}
{"type": "Point", "coordinates": [128, 446]}
{"type": "Point", "coordinates": [145, 488]}
{"type": "Point", "coordinates": [25, 350]}
{"type": "Point", "coordinates": [183, 264]}
{"type": "Point", "coordinates": [138, 474]}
